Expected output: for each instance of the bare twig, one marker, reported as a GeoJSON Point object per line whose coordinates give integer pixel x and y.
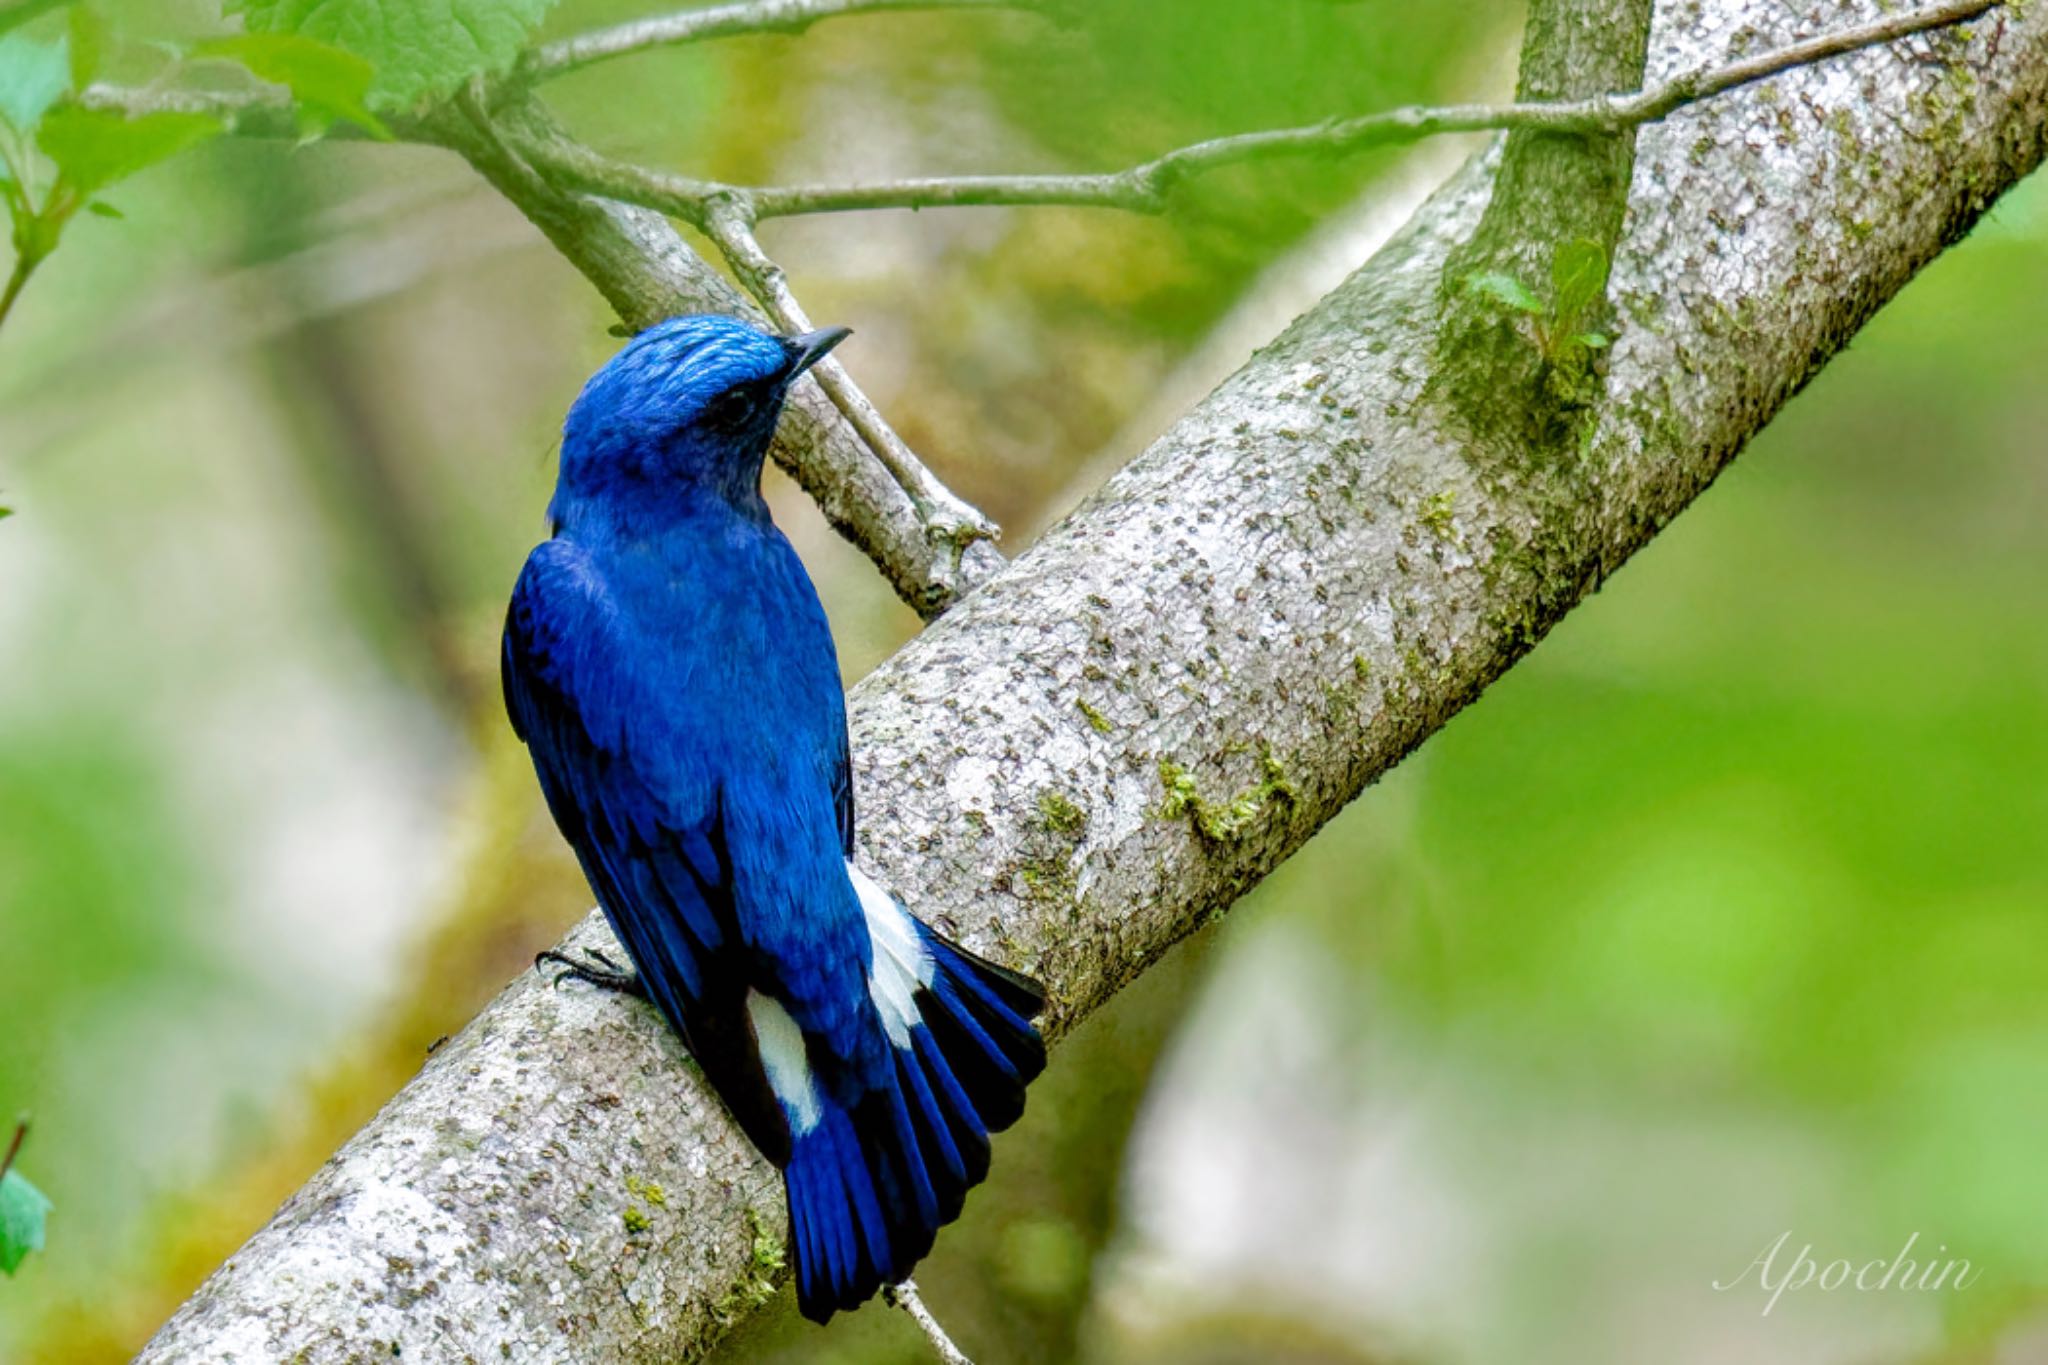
{"type": "Point", "coordinates": [718, 21]}
{"type": "Point", "coordinates": [948, 518]}
{"type": "Point", "coordinates": [1146, 187]}
{"type": "Point", "coordinates": [905, 1296]}
{"type": "Point", "coordinates": [264, 113]}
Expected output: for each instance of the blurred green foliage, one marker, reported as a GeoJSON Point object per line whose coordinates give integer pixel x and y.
{"type": "Point", "coordinates": [416, 49]}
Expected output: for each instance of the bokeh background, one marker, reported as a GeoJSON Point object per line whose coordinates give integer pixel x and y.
{"type": "Point", "coordinates": [1721, 917]}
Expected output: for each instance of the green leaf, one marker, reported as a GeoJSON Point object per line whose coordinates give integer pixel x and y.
{"type": "Point", "coordinates": [420, 49]}
{"type": "Point", "coordinates": [93, 148]}
{"type": "Point", "coordinates": [19, 12]}
{"type": "Point", "coordinates": [33, 76]}
{"type": "Point", "coordinates": [1578, 279]}
{"type": "Point", "coordinates": [1505, 289]}
{"type": "Point", "coordinates": [23, 1210]}
{"type": "Point", "coordinates": [87, 28]}
{"type": "Point", "coordinates": [327, 83]}
{"type": "Point", "coordinates": [1598, 341]}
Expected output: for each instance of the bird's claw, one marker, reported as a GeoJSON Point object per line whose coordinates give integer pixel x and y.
{"type": "Point", "coordinates": [606, 975]}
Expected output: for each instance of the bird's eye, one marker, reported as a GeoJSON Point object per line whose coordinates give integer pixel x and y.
{"type": "Point", "coordinates": [733, 410]}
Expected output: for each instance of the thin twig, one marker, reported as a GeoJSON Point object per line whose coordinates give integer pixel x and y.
{"type": "Point", "coordinates": [14, 1147]}
{"type": "Point", "coordinates": [948, 517]}
{"type": "Point", "coordinates": [1146, 187]}
{"type": "Point", "coordinates": [24, 266]}
{"type": "Point", "coordinates": [719, 21]}
{"type": "Point", "coordinates": [904, 1296]}
{"type": "Point", "coordinates": [229, 106]}
{"type": "Point", "coordinates": [1142, 188]}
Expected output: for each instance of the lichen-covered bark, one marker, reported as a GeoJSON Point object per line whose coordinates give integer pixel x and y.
{"type": "Point", "coordinates": [1114, 738]}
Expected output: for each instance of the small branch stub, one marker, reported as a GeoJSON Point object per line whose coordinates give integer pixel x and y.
{"type": "Point", "coordinates": [905, 1297]}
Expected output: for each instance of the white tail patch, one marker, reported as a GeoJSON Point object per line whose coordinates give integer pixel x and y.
{"type": "Point", "coordinates": [899, 963]}
{"type": "Point", "coordinates": [781, 1044]}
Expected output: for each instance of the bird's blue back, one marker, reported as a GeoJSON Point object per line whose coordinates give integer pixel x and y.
{"type": "Point", "coordinates": [670, 667]}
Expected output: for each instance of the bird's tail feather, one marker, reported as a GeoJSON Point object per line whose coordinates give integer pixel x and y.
{"type": "Point", "coordinates": [871, 1184]}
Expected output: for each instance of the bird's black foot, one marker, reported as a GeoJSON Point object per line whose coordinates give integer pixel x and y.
{"type": "Point", "coordinates": [605, 973]}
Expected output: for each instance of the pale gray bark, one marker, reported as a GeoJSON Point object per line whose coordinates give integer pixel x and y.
{"type": "Point", "coordinates": [1113, 739]}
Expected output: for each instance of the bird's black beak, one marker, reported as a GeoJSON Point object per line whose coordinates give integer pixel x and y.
{"type": "Point", "coordinates": [811, 347]}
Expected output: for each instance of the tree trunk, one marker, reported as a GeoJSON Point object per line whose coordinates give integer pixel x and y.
{"type": "Point", "coordinates": [1109, 742]}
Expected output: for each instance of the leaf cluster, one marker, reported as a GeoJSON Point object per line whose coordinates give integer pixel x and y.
{"type": "Point", "coordinates": [339, 61]}
{"type": "Point", "coordinates": [56, 155]}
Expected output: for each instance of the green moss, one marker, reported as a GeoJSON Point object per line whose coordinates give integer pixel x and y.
{"type": "Point", "coordinates": [1225, 821]}
{"type": "Point", "coordinates": [1095, 717]}
{"type": "Point", "coordinates": [1438, 510]}
{"type": "Point", "coordinates": [637, 1220]}
{"type": "Point", "coordinates": [757, 1284]}
{"type": "Point", "coordinates": [647, 1190]}
{"type": "Point", "coordinates": [1060, 815]}
{"type": "Point", "coordinates": [1047, 879]}
{"type": "Point", "coordinates": [1362, 666]}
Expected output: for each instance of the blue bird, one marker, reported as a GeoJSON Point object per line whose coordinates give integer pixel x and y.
{"type": "Point", "coordinates": [668, 664]}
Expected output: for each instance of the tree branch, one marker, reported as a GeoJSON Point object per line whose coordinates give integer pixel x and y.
{"type": "Point", "coordinates": [1556, 193]}
{"type": "Point", "coordinates": [905, 1297]}
{"type": "Point", "coordinates": [1108, 743]}
{"type": "Point", "coordinates": [1147, 187]}
{"type": "Point", "coordinates": [945, 516]}
{"type": "Point", "coordinates": [250, 113]}
{"type": "Point", "coordinates": [718, 21]}
{"type": "Point", "coordinates": [647, 272]}
{"type": "Point", "coordinates": [931, 545]}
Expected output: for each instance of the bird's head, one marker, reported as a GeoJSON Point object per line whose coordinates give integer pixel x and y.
{"type": "Point", "coordinates": [688, 407]}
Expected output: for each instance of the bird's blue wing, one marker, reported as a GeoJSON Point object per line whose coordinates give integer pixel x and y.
{"type": "Point", "coordinates": [655, 855]}
{"type": "Point", "coordinates": [842, 793]}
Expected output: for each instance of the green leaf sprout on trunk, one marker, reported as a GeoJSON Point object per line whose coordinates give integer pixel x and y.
{"type": "Point", "coordinates": [1559, 328]}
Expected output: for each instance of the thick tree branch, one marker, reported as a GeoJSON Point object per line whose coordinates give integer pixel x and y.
{"type": "Point", "coordinates": [1147, 187]}
{"type": "Point", "coordinates": [718, 21]}
{"type": "Point", "coordinates": [1108, 743]}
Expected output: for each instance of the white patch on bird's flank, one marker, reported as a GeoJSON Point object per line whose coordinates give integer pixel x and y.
{"type": "Point", "coordinates": [899, 961]}
{"type": "Point", "coordinates": [781, 1044]}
